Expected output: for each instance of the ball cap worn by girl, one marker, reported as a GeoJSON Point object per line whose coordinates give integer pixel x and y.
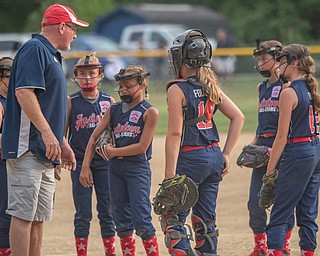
{"type": "Point", "coordinates": [58, 13]}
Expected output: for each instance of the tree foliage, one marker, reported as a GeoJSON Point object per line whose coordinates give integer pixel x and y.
{"type": "Point", "coordinates": [286, 20]}
{"type": "Point", "coordinates": [26, 15]}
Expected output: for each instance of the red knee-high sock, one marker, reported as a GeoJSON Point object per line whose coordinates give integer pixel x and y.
{"type": "Point", "coordinates": [109, 246]}
{"type": "Point", "coordinates": [5, 251]}
{"type": "Point", "coordinates": [81, 246]}
{"type": "Point", "coordinates": [128, 245]}
{"type": "Point", "coordinates": [307, 253]}
{"type": "Point", "coordinates": [260, 245]}
{"type": "Point", "coordinates": [151, 246]}
{"type": "Point", "coordinates": [275, 252]}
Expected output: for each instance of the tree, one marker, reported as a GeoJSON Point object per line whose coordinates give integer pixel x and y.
{"type": "Point", "coordinates": [26, 15]}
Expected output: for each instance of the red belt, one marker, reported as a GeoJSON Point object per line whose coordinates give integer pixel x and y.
{"type": "Point", "coordinates": [267, 134]}
{"type": "Point", "coordinates": [189, 148]}
{"type": "Point", "coordinates": [301, 139]}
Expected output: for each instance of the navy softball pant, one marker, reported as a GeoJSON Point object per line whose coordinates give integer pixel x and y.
{"type": "Point", "coordinates": [297, 188]}
{"type": "Point", "coordinates": [130, 183]}
{"type": "Point", "coordinates": [5, 219]}
{"type": "Point", "coordinates": [257, 215]}
{"type": "Point", "coordinates": [83, 201]}
{"type": "Point", "coordinates": [204, 166]}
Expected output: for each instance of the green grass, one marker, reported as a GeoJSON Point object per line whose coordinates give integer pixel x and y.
{"type": "Point", "coordinates": [241, 88]}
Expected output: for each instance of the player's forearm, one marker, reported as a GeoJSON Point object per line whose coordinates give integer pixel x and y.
{"type": "Point", "coordinates": [171, 153]}
{"type": "Point", "coordinates": [233, 134]}
{"type": "Point", "coordinates": [30, 106]}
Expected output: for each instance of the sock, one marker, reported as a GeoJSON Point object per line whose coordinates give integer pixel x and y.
{"type": "Point", "coordinates": [82, 246]}
{"type": "Point", "coordinates": [151, 246]}
{"type": "Point", "coordinates": [109, 245]}
{"type": "Point", "coordinates": [128, 245]}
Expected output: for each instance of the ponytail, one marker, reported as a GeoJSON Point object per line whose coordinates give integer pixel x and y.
{"type": "Point", "coordinates": [207, 76]}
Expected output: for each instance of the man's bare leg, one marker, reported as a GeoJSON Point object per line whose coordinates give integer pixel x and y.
{"type": "Point", "coordinates": [36, 238]}
{"type": "Point", "coordinates": [20, 236]}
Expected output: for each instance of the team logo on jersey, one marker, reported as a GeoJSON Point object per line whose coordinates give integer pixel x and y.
{"type": "Point", "coordinates": [275, 91]}
{"type": "Point", "coordinates": [134, 116]}
{"type": "Point", "coordinates": [104, 105]}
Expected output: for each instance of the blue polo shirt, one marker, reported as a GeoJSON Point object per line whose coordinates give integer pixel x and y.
{"type": "Point", "coordinates": [37, 65]}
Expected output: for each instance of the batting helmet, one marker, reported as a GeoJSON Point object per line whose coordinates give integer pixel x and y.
{"type": "Point", "coordinates": [5, 65]}
{"type": "Point", "coordinates": [88, 61]}
{"type": "Point", "coordinates": [191, 48]}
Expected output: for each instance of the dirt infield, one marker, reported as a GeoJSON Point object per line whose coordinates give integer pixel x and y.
{"type": "Point", "coordinates": [232, 216]}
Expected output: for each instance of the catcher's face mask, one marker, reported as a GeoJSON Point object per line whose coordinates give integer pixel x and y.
{"type": "Point", "coordinates": [127, 82]}
{"type": "Point", "coordinates": [88, 75]}
{"type": "Point", "coordinates": [285, 58]}
{"type": "Point", "coordinates": [265, 56]}
{"type": "Point", "coordinates": [191, 48]}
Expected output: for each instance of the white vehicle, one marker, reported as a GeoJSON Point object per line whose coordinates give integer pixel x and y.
{"type": "Point", "coordinates": [149, 36]}
{"type": "Point", "coordinates": [11, 42]}
{"type": "Point", "coordinates": [152, 36]}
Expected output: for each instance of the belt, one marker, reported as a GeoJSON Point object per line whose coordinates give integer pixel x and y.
{"type": "Point", "coordinates": [189, 148]}
{"type": "Point", "coordinates": [301, 139]}
{"type": "Point", "coordinates": [267, 134]}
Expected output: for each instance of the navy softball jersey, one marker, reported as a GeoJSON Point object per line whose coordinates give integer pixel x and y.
{"type": "Point", "coordinates": [268, 109]}
{"type": "Point", "coordinates": [203, 133]}
{"type": "Point", "coordinates": [128, 125]}
{"type": "Point", "coordinates": [84, 118]}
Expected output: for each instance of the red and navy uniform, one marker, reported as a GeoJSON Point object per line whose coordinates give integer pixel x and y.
{"type": "Point", "coordinates": [299, 175]}
{"type": "Point", "coordinates": [84, 117]}
{"type": "Point", "coordinates": [5, 219]}
{"type": "Point", "coordinates": [130, 176]}
{"type": "Point", "coordinates": [201, 159]}
{"type": "Point", "coordinates": [268, 114]}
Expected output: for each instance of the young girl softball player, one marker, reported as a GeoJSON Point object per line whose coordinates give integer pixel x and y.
{"type": "Point", "coordinates": [297, 143]}
{"type": "Point", "coordinates": [192, 142]}
{"type": "Point", "coordinates": [85, 111]}
{"type": "Point", "coordinates": [268, 112]}
{"type": "Point", "coordinates": [133, 122]}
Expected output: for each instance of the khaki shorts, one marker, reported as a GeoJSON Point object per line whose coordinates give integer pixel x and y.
{"type": "Point", "coordinates": [30, 188]}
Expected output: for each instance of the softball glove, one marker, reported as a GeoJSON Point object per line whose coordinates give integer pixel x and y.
{"type": "Point", "coordinates": [175, 195]}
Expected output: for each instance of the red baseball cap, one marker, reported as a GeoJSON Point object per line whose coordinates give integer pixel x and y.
{"type": "Point", "coordinates": [58, 13]}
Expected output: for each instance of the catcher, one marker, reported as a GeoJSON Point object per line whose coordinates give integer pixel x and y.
{"type": "Point", "coordinates": [256, 155]}
{"type": "Point", "coordinates": [133, 122]}
{"type": "Point", "coordinates": [86, 108]}
{"type": "Point", "coordinates": [192, 146]}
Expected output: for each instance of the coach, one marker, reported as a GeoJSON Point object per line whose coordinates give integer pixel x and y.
{"type": "Point", "coordinates": [34, 126]}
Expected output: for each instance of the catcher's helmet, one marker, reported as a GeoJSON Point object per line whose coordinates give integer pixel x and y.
{"type": "Point", "coordinates": [191, 48]}
{"type": "Point", "coordinates": [5, 65]}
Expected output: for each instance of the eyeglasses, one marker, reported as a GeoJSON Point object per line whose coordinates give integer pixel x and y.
{"type": "Point", "coordinates": [74, 30]}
